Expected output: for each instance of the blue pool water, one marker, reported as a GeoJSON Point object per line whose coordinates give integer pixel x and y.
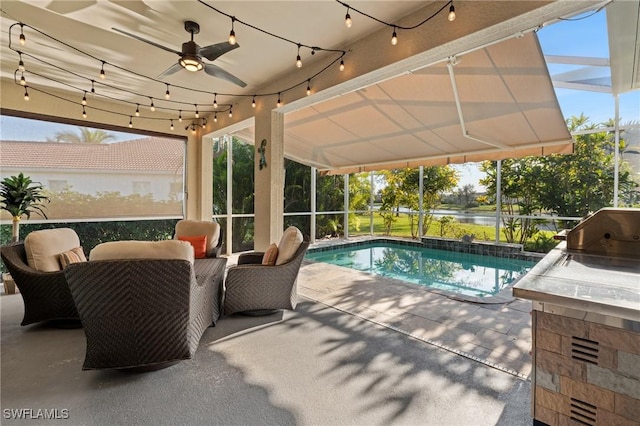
{"type": "Point", "coordinates": [462, 273]}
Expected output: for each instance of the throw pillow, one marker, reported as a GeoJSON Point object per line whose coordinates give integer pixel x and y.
{"type": "Point", "coordinates": [75, 255]}
{"type": "Point", "coordinates": [270, 255]}
{"type": "Point", "coordinates": [289, 244]}
{"type": "Point", "coordinates": [199, 244]}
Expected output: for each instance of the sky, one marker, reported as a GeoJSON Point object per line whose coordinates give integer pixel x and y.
{"type": "Point", "coordinates": [584, 35]}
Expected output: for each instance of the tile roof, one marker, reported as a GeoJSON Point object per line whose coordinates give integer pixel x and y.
{"type": "Point", "coordinates": [152, 153]}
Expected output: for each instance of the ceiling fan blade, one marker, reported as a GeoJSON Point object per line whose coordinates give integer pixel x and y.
{"type": "Point", "coordinates": [216, 71]}
{"type": "Point", "coordinates": [171, 70]}
{"type": "Point", "coordinates": [148, 41]}
{"type": "Point", "coordinates": [214, 51]}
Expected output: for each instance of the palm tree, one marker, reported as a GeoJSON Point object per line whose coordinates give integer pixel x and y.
{"type": "Point", "coordinates": [21, 197]}
{"type": "Point", "coordinates": [86, 135]}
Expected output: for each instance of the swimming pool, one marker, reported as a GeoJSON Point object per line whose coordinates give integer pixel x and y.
{"type": "Point", "coordinates": [463, 273]}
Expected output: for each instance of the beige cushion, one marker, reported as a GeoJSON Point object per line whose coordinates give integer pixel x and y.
{"type": "Point", "coordinates": [195, 228]}
{"type": "Point", "coordinates": [270, 256]}
{"type": "Point", "coordinates": [44, 247]}
{"type": "Point", "coordinates": [75, 255]}
{"type": "Point", "coordinates": [169, 249]}
{"type": "Point", "coordinates": [289, 244]}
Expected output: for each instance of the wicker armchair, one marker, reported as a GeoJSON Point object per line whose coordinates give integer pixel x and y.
{"type": "Point", "coordinates": [145, 314]}
{"type": "Point", "coordinates": [46, 295]}
{"type": "Point", "coordinates": [251, 287]}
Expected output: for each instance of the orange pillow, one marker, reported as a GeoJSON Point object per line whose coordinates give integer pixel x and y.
{"type": "Point", "coordinates": [270, 256]}
{"type": "Point", "coordinates": [199, 244]}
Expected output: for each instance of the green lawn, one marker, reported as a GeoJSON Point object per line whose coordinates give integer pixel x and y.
{"type": "Point", "coordinates": [401, 228]}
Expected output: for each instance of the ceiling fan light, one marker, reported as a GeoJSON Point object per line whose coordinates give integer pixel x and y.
{"type": "Point", "coordinates": [191, 63]}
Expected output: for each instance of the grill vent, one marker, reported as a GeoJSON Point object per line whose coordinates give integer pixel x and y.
{"type": "Point", "coordinates": [584, 350]}
{"type": "Point", "coordinates": [583, 412]}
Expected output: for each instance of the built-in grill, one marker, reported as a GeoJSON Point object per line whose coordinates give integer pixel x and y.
{"type": "Point", "coordinates": [586, 324]}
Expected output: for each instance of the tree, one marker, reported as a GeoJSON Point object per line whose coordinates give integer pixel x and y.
{"type": "Point", "coordinates": [85, 135]}
{"type": "Point", "coordinates": [466, 195]}
{"type": "Point", "coordinates": [565, 185]}
{"type": "Point", "coordinates": [21, 197]}
{"type": "Point", "coordinates": [402, 190]}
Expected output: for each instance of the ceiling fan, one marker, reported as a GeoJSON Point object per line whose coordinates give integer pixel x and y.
{"type": "Point", "coordinates": [192, 54]}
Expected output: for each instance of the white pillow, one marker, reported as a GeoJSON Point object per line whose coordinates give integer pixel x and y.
{"type": "Point", "coordinates": [196, 228]}
{"type": "Point", "coordinates": [289, 244]}
{"type": "Point", "coordinates": [168, 249]}
{"type": "Point", "coordinates": [44, 247]}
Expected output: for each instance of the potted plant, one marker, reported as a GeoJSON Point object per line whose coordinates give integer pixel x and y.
{"type": "Point", "coordinates": [20, 196]}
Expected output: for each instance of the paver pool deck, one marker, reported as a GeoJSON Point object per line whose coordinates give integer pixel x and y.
{"type": "Point", "coordinates": [496, 334]}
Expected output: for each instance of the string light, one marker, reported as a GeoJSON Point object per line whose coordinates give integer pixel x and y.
{"type": "Point", "coordinates": [23, 82]}
{"type": "Point", "coordinates": [180, 117]}
{"type": "Point", "coordinates": [215, 100]}
{"type": "Point", "coordinates": [130, 121]}
{"type": "Point", "coordinates": [102, 74]}
{"type": "Point", "coordinates": [232, 34]}
{"type": "Point", "coordinates": [253, 101]}
{"type": "Point", "coordinates": [452, 13]}
{"type": "Point", "coordinates": [341, 65]}
{"type": "Point", "coordinates": [171, 126]}
{"type": "Point", "coordinates": [230, 112]}
{"type": "Point", "coordinates": [193, 129]}
{"type": "Point", "coordinates": [298, 59]}
{"type": "Point", "coordinates": [215, 117]}
{"type": "Point", "coordinates": [20, 63]}
{"type": "Point", "coordinates": [204, 124]}
{"type": "Point", "coordinates": [394, 37]}
{"type": "Point", "coordinates": [167, 95]}
{"type": "Point", "coordinates": [104, 63]}
{"type": "Point", "coordinates": [152, 107]}
{"type": "Point", "coordinates": [137, 110]}
{"type": "Point", "coordinates": [84, 113]}
{"type": "Point", "coordinates": [279, 103]}
{"type": "Point", "coordinates": [347, 19]}
{"type": "Point", "coordinates": [197, 113]}
{"type": "Point", "coordinates": [23, 39]}
{"type": "Point", "coordinates": [308, 87]}
{"type": "Point", "coordinates": [26, 93]}
{"type": "Point", "coordinates": [84, 98]}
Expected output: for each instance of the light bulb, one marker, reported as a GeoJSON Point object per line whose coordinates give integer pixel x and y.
{"type": "Point", "coordinates": [230, 113]}
{"type": "Point", "coordinates": [180, 117]}
{"type": "Point", "coordinates": [253, 102]}
{"type": "Point", "coordinates": [232, 37]}
{"type": "Point", "coordinates": [137, 110]}
{"type": "Point", "coordinates": [102, 74]}
{"type": "Point", "coordinates": [152, 107]}
{"type": "Point", "coordinates": [299, 62]}
{"type": "Point", "coordinates": [130, 122]}
{"type": "Point", "coordinates": [197, 113]}
{"type": "Point", "coordinates": [23, 40]}
{"type": "Point", "coordinates": [347, 20]}
{"type": "Point", "coordinates": [308, 89]}
{"type": "Point", "coordinates": [23, 82]}
{"type": "Point", "coordinates": [93, 89]}
{"type": "Point", "coordinates": [167, 95]}
{"type": "Point", "coordinates": [193, 129]}
{"type": "Point", "coordinates": [21, 65]}
{"type": "Point", "coordinates": [84, 98]}
{"type": "Point", "coordinates": [171, 126]}
{"type": "Point", "coordinates": [26, 94]}
{"type": "Point", "coordinates": [215, 100]}
{"type": "Point", "coordinates": [394, 38]}
{"type": "Point", "coordinates": [341, 65]}
{"type": "Point", "coordinates": [84, 113]}
{"type": "Point", "coordinates": [452, 14]}
{"type": "Point", "coordinates": [203, 125]}
{"type": "Point", "coordinates": [278, 104]}
{"type": "Point", "coordinates": [215, 117]}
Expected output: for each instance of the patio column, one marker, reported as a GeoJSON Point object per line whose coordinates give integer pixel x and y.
{"type": "Point", "coordinates": [198, 177]}
{"type": "Point", "coordinates": [269, 180]}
